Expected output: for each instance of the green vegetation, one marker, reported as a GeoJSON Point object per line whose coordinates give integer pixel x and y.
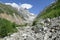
{"type": "Point", "coordinates": [7, 9]}
{"type": "Point", "coordinates": [6, 27]}
{"type": "Point", "coordinates": [49, 12]}
{"type": "Point", "coordinates": [52, 11]}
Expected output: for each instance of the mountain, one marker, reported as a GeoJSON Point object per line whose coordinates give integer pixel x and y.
{"type": "Point", "coordinates": [26, 15]}
{"type": "Point", "coordinates": [10, 18]}
{"type": "Point", "coordinates": [14, 15]}
{"type": "Point", "coordinates": [9, 13]}
{"type": "Point", "coordinates": [46, 25]}
{"type": "Point", "coordinates": [51, 11]}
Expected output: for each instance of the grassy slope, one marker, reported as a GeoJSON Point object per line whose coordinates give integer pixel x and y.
{"type": "Point", "coordinates": [7, 9]}
{"type": "Point", "coordinates": [50, 12]}
{"type": "Point", "coordinates": [7, 27]}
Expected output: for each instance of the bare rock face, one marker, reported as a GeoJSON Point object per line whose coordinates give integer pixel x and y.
{"type": "Point", "coordinates": [26, 15]}
{"type": "Point", "coordinates": [15, 18]}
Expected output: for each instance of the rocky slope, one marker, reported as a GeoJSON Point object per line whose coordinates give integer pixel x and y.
{"type": "Point", "coordinates": [47, 29]}
{"type": "Point", "coordinates": [10, 18]}
{"type": "Point", "coordinates": [42, 29]}
{"type": "Point", "coordinates": [51, 11]}
{"type": "Point", "coordinates": [26, 15]}
{"type": "Point", "coordinates": [15, 18]}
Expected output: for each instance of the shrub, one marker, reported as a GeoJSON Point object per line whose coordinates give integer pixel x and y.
{"type": "Point", "coordinates": [6, 27]}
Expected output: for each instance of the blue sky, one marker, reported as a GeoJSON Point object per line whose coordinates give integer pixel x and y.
{"type": "Point", "coordinates": [38, 5]}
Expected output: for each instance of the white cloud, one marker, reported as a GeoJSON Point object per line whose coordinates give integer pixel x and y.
{"type": "Point", "coordinates": [27, 6]}
{"type": "Point", "coordinates": [13, 5]}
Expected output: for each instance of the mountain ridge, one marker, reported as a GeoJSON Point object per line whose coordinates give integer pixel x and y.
{"type": "Point", "coordinates": [12, 18]}
{"type": "Point", "coordinates": [51, 11]}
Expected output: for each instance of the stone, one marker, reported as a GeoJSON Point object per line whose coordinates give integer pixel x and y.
{"type": "Point", "coordinates": [38, 32]}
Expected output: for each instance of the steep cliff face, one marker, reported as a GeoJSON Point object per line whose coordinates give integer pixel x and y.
{"type": "Point", "coordinates": [15, 18]}
{"type": "Point", "coordinates": [10, 18]}
{"type": "Point", "coordinates": [12, 14]}
{"type": "Point", "coordinates": [26, 15]}
{"type": "Point", "coordinates": [9, 13]}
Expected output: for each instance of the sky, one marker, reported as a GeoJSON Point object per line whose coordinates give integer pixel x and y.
{"type": "Point", "coordinates": [34, 6]}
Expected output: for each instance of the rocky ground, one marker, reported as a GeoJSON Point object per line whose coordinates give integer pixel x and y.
{"type": "Point", "coordinates": [50, 30]}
